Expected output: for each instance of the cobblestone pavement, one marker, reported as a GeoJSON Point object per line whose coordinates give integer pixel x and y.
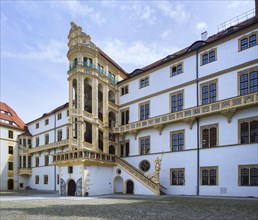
{"type": "Point", "coordinates": [44, 205]}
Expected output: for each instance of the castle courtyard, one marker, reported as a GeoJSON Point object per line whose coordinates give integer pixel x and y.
{"type": "Point", "coordinates": [35, 204]}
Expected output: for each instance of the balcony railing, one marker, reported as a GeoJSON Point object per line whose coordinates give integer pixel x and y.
{"type": "Point", "coordinates": [25, 171]}
{"type": "Point", "coordinates": [49, 146]}
{"type": "Point", "coordinates": [83, 156]}
{"type": "Point", "coordinates": [92, 66]}
{"type": "Point", "coordinates": [223, 107]}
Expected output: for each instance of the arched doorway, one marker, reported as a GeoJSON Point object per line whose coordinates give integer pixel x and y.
{"type": "Point", "coordinates": [118, 184]}
{"type": "Point", "coordinates": [129, 187]}
{"type": "Point", "coordinates": [71, 188]}
{"type": "Point", "coordinates": [111, 150]}
{"type": "Point", "coordinates": [10, 184]}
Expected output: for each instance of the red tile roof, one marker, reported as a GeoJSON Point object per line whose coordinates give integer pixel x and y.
{"type": "Point", "coordinates": [11, 117]}
{"type": "Point", "coordinates": [195, 45]}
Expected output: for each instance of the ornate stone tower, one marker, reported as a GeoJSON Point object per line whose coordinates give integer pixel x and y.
{"type": "Point", "coordinates": [93, 94]}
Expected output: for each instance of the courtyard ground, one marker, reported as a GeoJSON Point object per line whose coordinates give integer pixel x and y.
{"type": "Point", "coordinates": [49, 205]}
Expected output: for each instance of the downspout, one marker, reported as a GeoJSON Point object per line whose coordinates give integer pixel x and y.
{"type": "Point", "coordinates": [55, 152]}
{"type": "Point", "coordinates": [198, 126]}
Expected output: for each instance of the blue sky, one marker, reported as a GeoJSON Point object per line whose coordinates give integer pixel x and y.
{"type": "Point", "coordinates": [134, 33]}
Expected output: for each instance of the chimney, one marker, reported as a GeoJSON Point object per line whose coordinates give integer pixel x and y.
{"type": "Point", "coordinates": [204, 35]}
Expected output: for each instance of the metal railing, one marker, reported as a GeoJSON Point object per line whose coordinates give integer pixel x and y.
{"type": "Point", "coordinates": [236, 20]}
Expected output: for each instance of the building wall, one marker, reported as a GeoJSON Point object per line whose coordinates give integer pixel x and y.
{"type": "Point", "coordinates": [5, 142]}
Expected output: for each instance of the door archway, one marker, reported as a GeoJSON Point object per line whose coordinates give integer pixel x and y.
{"type": "Point", "coordinates": [71, 188]}
{"type": "Point", "coordinates": [129, 187]}
{"type": "Point", "coordinates": [10, 184]}
{"type": "Point", "coordinates": [118, 184]}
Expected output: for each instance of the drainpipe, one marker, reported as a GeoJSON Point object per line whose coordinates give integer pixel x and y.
{"type": "Point", "coordinates": [55, 152]}
{"type": "Point", "coordinates": [198, 126]}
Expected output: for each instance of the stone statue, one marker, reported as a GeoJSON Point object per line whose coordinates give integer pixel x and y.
{"type": "Point", "coordinates": [157, 169]}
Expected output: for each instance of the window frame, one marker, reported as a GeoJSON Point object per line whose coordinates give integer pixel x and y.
{"type": "Point", "coordinates": [247, 37]}
{"type": "Point", "coordinates": [124, 90]}
{"type": "Point", "coordinates": [209, 127]}
{"type": "Point", "coordinates": [10, 165]}
{"type": "Point", "coordinates": [175, 66]}
{"type": "Point", "coordinates": [59, 116]}
{"type": "Point", "coordinates": [139, 110]}
{"type": "Point", "coordinates": [60, 131]}
{"type": "Point", "coordinates": [47, 121]}
{"type": "Point", "coordinates": [144, 138]}
{"type": "Point", "coordinates": [37, 125]}
{"type": "Point", "coordinates": [144, 79]}
{"type": "Point", "coordinates": [249, 167]}
{"type": "Point", "coordinates": [208, 83]}
{"type": "Point", "coordinates": [45, 179]}
{"type": "Point", "coordinates": [46, 160]}
{"type": "Point", "coordinates": [10, 150]}
{"type": "Point", "coordinates": [209, 168]}
{"type": "Point", "coordinates": [247, 120]}
{"type": "Point", "coordinates": [37, 141]}
{"type": "Point", "coordinates": [177, 132]}
{"type": "Point", "coordinates": [170, 100]}
{"type": "Point", "coordinates": [10, 134]}
{"type": "Point", "coordinates": [123, 112]}
{"type": "Point", "coordinates": [37, 179]}
{"type": "Point", "coordinates": [177, 179]}
{"type": "Point", "coordinates": [37, 161]}
{"type": "Point", "coordinates": [207, 53]}
{"type": "Point", "coordinates": [70, 169]}
{"type": "Point", "coordinates": [248, 72]}
{"type": "Point", "coordinates": [46, 138]}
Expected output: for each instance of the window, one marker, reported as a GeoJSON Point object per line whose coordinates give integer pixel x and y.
{"type": "Point", "coordinates": [125, 148]}
{"type": "Point", "coordinates": [37, 161]}
{"type": "Point", "coordinates": [59, 135]}
{"type": "Point", "coordinates": [124, 90]}
{"type": "Point", "coordinates": [209, 176]}
{"type": "Point", "coordinates": [176, 69]}
{"type": "Point", "coordinates": [67, 133]}
{"type": "Point", "coordinates": [248, 175]}
{"type": "Point", "coordinates": [244, 43]}
{"type": "Point", "coordinates": [10, 134]}
{"type": "Point", "coordinates": [46, 138]}
{"type": "Point", "coordinates": [10, 149]}
{"type": "Point", "coordinates": [209, 56]}
{"type": "Point", "coordinates": [46, 160]}
{"type": "Point", "coordinates": [252, 40]}
{"type": "Point", "coordinates": [144, 165]}
{"type": "Point", "coordinates": [37, 125]}
{"type": "Point", "coordinates": [21, 185]}
{"type": "Point", "coordinates": [57, 179]}
{"type": "Point", "coordinates": [247, 41]}
{"type": "Point", "coordinates": [144, 145]}
{"type": "Point", "coordinates": [144, 82]}
{"type": "Point", "coordinates": [29, 143]}
{"type": "Point", "coordinates": [209, 92]}
{"type": "Point", "coordinates": [29, 161]}
{"type": "Point", "coordinates": [177, 140]}
{"type": "Point", "coordinates": [67, 113]}
{"type": "Point", "coordinates": [177, 176]}
{"type": "Point", "coordinates": [248, 81]}
{"type": "Point", "coordinates": [46, 121]}
{"type": "Point", "coordinates": [10, 165]}
{"type": "Point", "coordinates": [59, 116]}
{"type": "Point", "coordinates": [36, 179]}
{"type": "Point", "coordinates": [70, 169]}
{"type": "Point", "coordinates": [176, 101]}
{"type": "Point", "coordinates": [24, 142]}
{"type": "Point", "coordinates": [144, 110]}
{"type": "Point", "coordinates": [209, 136]}
{"type": "Point", "coordinates": [248, 130]}
{"type": "Point", "coordinates": [124, 116]}
{"type": "Point", "coordinates": [37, 141]}
{"type": "Point", "coordinates": [45, 179]}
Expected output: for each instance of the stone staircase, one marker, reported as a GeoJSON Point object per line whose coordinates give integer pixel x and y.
{"type": "Point", "coordinates": [150, 183]}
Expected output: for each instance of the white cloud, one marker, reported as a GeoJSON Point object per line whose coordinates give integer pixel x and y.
{"type": "Point", "coordinates": [79, 9]}
{"type": "Point", "coordinates": [53, 52]}
{"type": "Point", "coordinates": [136, 54]}
{"type": "Point", "coordinates": [138, 10]}
{"type": "Point", "coordinates": [235, 4]}
{"type": "Point", "coordinates": [167, 34]}
{"type": "Point", "coordinates": [176, 12]}
{"type": "Point", "coordinates": [201, 25]}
